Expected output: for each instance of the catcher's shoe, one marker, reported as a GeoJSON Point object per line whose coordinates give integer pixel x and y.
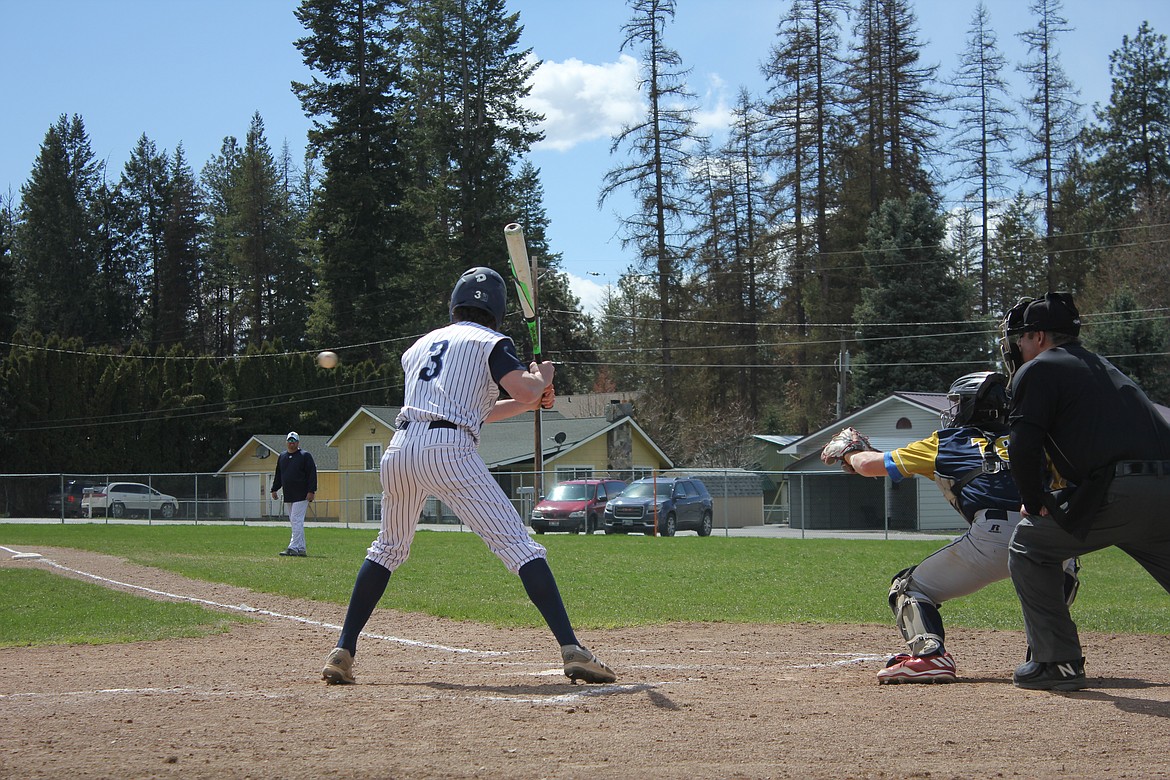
{"type": "Point", "coordinates": [580, 664]}
{"type": "Point", "coordinates": [903, 668]}
{"type": "Point", "coordinates": [338, 667]}
{"type": "Point", "coordinates": [1051, 676]}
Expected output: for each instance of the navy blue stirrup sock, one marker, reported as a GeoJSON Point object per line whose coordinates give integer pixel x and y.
{"type": "Point", "coordinates": [368, 588]}
{"type": "Point", "coordinates": [542, 590]}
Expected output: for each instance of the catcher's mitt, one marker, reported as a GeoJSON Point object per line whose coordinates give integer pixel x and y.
{"type": "Point", "coordinates": [848, 440]}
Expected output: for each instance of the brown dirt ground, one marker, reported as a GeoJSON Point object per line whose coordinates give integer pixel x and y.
{"type": "Point", "coordinates": [692, 701]}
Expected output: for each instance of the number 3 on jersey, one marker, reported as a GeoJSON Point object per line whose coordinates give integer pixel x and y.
{"type": "Point", "coordinates": [432, 369]}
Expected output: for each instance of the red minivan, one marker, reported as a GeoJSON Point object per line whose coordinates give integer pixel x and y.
{"type": "Point", "coordinates": [575, 505]}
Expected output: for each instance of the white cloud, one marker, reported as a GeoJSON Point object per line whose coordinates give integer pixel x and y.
{"type": "Point", "coordinates": [714, 116]}
{"type": "Point", "coordinates": [582, 102]}
{"type": "Point", "coordinates": [591, 294]}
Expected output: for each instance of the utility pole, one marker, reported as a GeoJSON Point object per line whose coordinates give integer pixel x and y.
{"type": "Point", "coordinates": [842, 378]}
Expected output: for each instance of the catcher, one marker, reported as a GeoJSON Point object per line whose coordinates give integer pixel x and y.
{"type": "Point", "coordinates": [967, 459]}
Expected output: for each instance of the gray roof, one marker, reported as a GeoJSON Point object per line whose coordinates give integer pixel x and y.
{"type": "Point", "coordinates": [512, 440]}
{"type": "Point", "coordinates": [323, 455]}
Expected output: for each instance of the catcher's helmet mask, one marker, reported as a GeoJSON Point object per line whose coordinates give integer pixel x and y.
{"type": "Point", "coordinates": [979, 399]}
{"type": "Point", "coordinates": [481, 288]}
{"type": "Point", "coordinates": [1055, 312]}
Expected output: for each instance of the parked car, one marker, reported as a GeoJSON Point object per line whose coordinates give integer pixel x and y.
{"type": "Point", "coordinates": [70, 498]}
{"type": "Point", "coordinates": [575, 505]}
{"type": "Point", "coordinates": [677, 503]}
{"type": "Point", "coordinates": [127, 499]}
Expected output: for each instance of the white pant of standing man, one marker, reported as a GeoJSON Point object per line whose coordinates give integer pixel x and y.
{"type": "Point", "coordinates": [296, 518]}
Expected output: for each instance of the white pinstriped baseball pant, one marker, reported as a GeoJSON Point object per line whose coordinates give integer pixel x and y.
{"type": "Point", "coordinates": [444, 463]}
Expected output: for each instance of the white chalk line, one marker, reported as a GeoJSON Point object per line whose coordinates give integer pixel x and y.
{"type": "Point", "coordinates": [192, 692]}
{"type": "Point", "coordinates": [847, 658]}
{"type": "Point", "coordinates": [257, 611]}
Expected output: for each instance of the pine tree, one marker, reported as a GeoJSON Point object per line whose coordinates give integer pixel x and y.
{"type": "Point", "coordinates": [465, 77]}
{"type": "Point", "coordinates": [144, 198]}
{"type": "Point", "coordinates": [984, 131]}
{"type": "Point", "coordinates": [806, 76]}
{"type": "Point", "coordinates": [1131, 137]}
{"type": "Point", "coordinates": [54, 258]}
{"type": "Point", "coordinates": [220, 283]}
{"type": "Point", "coordinates": [657, 169]}
{"type": "Point", "coordinates": [917, 284]}
{"type": "Point", "coordinates": [263, 240]}
{"type": "Point", "coordinates": [895, 103]}
{"type": "Point", "coordinates": [7, 272]}
{"type": "Point", "coordinates": [1054, 115]}
{"type": "Point", "coordinates": [181, 261]}
{"type": "Point", "coordinates": [354, 48]}
{"type": "Point", "coordinates": [1134, 342]}
{"type": "Point", "coordinates": [1018, 247]}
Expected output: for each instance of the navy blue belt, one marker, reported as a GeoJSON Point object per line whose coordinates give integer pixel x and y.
{"type": "Point", "coordinates": [431, 424]}
{"type": "Point", "coordinates": [995, 514]}
{"type": "Point", "coordinates": [1140, 468]}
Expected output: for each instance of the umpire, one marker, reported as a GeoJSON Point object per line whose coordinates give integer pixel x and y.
{"type": "Point", "coordinates": [1090, 455]}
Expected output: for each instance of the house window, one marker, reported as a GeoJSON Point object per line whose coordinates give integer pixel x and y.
{"type": "Point", "coordinates": [903, 424]}
{"type": "Point", "coordinates": [373, 507]}
{"type": "Point", "coordinates": [574, 472]}
{"type": "Point", "coordinates": [641, 472]}
{"type": "Point", "coordinates": [373, 456]}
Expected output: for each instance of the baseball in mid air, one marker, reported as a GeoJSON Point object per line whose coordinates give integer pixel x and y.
{"type": "Point", "coordinates": [327, 359]}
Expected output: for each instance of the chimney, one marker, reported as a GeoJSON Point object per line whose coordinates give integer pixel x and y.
{"type": "Point", "coordinates": [617, 410]}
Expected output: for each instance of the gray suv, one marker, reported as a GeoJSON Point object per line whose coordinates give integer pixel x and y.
{"type": "Point", "coordinates": [673, 503]}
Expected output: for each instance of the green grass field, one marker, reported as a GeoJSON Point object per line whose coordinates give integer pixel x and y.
{"type": "Point", "coordinates": [606, 581]}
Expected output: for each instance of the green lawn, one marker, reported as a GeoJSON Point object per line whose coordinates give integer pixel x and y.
{"type": "Point", "coordinates": [606, 581]}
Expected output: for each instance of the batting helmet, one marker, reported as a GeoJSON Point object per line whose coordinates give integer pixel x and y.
{"type": "Point", "coordinates": [481, 288]}
{"type": "Point", "coordinates": [979, 399]}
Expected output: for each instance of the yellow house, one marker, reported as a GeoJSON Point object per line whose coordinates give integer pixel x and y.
{"type": "Point", "coordinates": [249, 472]}
{"type": "Point", "coordinates": [349, 489]}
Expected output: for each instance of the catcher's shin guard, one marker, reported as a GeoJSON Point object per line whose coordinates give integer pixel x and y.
{"type": "Point", "coordinates": [917, 618]}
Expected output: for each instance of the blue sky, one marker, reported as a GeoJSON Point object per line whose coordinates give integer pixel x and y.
{"type": "Point", "coordinates": [194, 71]}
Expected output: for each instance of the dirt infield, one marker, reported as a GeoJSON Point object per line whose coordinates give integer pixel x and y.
{"type": "Point", "coordinates": [438, 698]}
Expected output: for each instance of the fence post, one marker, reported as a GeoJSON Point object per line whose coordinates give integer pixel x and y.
{"type": "Point", "coordinates": [726, 479]}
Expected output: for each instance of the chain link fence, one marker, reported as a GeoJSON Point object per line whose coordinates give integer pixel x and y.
{"type": "Point", "coordinates": [800, 500]}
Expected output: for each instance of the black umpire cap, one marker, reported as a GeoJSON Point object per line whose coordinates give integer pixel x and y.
{"type": "Point", "coordinates": [1054, 312]}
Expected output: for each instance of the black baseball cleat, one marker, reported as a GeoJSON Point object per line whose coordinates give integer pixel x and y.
{"type": "Point", "coordinates": [295, 553]}
{"type": "Point", "coordinates": [1051, 675]}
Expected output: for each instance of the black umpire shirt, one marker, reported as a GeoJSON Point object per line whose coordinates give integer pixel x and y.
{"type": "Point", "coordinates": [1077, 407]}
{"type": "Point", "coordinates": [296, 472]}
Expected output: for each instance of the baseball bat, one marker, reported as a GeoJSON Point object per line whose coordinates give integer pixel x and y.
{"type": "Point", "coordinates": [525, 289]}
{"type": "Point", "coordinates": [522, 274]}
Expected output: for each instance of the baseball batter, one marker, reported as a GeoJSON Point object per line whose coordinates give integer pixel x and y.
{"type": "Point", "coordinates": [967, 458]}
{"type": "Point", "coordinates": [453, 376]}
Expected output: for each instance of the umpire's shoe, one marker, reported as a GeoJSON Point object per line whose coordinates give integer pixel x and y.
{"type": "Point", "coordinates": [1051, 675]}
{"type": "Point", "coordinates": [580, 664]}
{"type": "Point", "coordinates": [338, 667]}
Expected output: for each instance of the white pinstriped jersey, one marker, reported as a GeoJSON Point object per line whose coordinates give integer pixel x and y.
{"type": "Point", "coordinates": [451, 374]}
{"type": "Point", "coordinates": [448, 376]}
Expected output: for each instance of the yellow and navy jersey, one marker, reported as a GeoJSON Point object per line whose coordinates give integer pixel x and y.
{"type": "Point", "coordinates": [952, 453]}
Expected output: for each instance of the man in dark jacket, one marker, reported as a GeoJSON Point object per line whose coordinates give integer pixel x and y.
{"type": "Point", "coordinates": [296, 473]}
{"type": "Point", "coordinates": [1090, 455]}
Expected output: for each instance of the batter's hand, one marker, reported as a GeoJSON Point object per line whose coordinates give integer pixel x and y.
{"type": "Point", "coordinates": [548, 397]}
{"type": "Point", "coordinates": [544, 370]}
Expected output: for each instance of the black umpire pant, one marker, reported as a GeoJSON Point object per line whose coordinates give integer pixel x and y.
{"type": "Point", "coordinates": [1134, 518]}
